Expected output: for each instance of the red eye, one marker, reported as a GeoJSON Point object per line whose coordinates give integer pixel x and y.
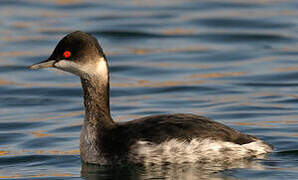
{"type": "Point", "coordinates": [67, 54]}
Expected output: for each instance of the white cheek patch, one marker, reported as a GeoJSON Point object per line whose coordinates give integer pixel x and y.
{"type": "Point", "coordinates": [102, 68]}
{"type": "Point", "coordinates": [69, 66]}
{"type": "Point", "coordinates": [94, 68]}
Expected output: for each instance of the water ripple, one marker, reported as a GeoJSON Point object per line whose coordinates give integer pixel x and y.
{"type": "Point", "coordinates": [233, 61]}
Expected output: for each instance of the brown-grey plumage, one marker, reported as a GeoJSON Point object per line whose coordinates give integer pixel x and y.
{"type": "Point", "coordinates": [105, 142]}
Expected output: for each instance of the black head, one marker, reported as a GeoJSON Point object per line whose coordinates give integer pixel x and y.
{"type": "Point", "coordinates": [78, 53]}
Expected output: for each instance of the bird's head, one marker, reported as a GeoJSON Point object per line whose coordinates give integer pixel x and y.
{"type": "Point", "coordinates": [78, 53]}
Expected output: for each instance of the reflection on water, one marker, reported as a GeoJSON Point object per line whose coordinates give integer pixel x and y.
{"type": "Point", "coordinates": [234, 61]}
{"type": "Point", "coordinates": [213, 171]}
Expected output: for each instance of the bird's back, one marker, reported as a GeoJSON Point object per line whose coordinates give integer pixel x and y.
{"type": "Point", "coordinates": [160, 128]}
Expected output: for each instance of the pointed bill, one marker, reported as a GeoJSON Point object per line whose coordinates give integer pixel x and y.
{"type": "Point", "coordinates": [43, 64]}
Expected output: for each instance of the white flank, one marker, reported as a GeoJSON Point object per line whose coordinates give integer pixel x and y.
{"type": "Point", "coordinates": [175, 151]}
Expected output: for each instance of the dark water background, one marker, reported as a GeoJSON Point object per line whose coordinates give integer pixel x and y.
{"type": "Point", "coordinates": [231, 60]}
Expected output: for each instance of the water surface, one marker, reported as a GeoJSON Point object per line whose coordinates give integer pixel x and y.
{"type": "Point", "coordinates": [233, 61]}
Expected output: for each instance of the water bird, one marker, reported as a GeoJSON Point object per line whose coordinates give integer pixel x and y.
{"type": "Point", "coordinates": [155, 139]}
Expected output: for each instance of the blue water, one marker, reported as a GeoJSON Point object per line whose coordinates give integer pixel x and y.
{"type": "Point", "coordinates": [233, 61]}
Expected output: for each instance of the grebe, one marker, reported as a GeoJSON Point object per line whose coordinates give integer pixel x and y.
{"type": "Point", "coordinates": [157, 139]}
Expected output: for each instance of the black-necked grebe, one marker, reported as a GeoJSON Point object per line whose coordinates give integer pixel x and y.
{"type": "Point", "coordinates": [158, 139]}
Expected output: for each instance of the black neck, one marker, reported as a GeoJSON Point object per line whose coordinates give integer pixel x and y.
{"type": "Point", "coordinates": [96, 100]}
